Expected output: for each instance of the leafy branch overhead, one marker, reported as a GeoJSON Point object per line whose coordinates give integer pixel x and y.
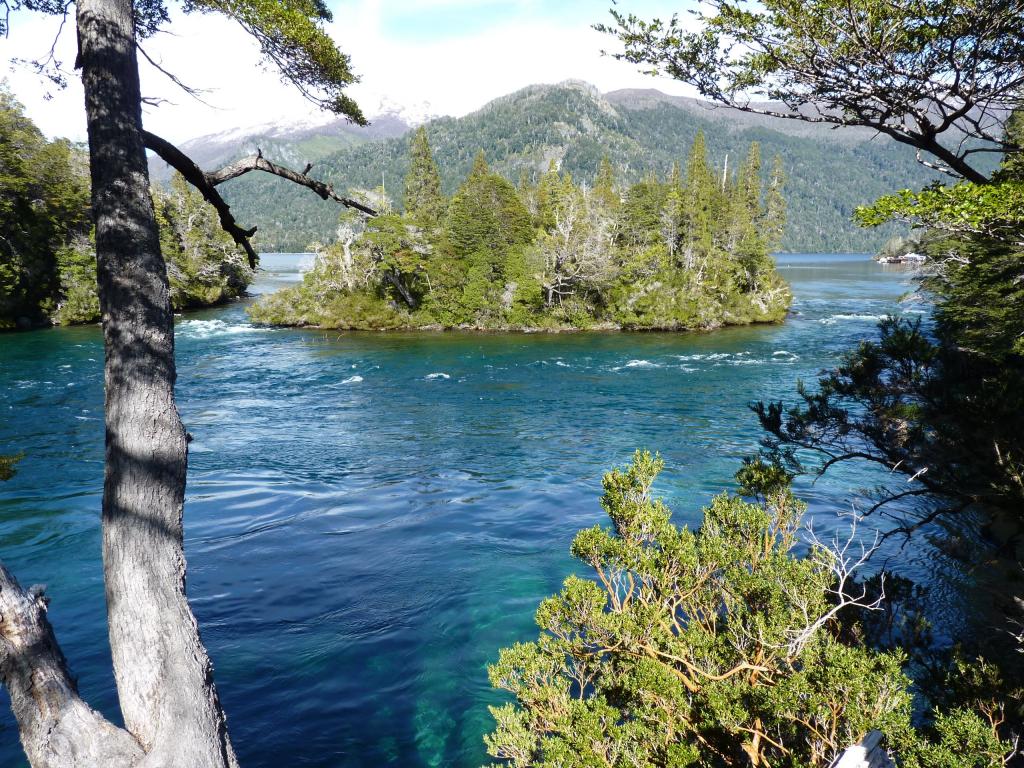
{"type": "Point", "coordinates": [292, 38]}
{"type": "Point", "coordinates": [290, 34]}
{"type": "Point", "coordinates": [938, 75]}
{"type": "Point", "coordinates": [993, 211]}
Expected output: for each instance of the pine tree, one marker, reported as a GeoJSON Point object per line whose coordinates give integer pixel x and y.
{"type": "Point", "coordinates": [423, 200]}
{"type": "Point", "coordinates": [605, 193]}
{"type": "Point", "coordinates": [773, 223]}
{"type": "Point", "coordinates": [486, 217]}
{"type": "Point", "coordinates": [701, 199]}
{"type": "Point", "coordinates": [745, 205]}
{"type": "Point", "coordinates": [549, 190]}
{"type": "Point", "coordinates": [480, 167]}
{"type": "Point", "coordinates": [673, 213]}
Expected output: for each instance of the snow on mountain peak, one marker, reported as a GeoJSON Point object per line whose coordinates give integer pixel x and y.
{"type": "Point", "coordinates": [411, 114]}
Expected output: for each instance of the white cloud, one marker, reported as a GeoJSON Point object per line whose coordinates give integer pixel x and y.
{"type": "Point", "coordinates": [455, 75]}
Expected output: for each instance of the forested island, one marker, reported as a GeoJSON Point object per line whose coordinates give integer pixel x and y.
{"type": "Point", "coordinates": [687, 252]}
{"type": "Point", "coordinates": [48, 269]}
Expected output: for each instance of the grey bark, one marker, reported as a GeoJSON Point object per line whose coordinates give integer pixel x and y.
{"type": "Point", "coordinates": [163, 674]}
{"type": "Point", "coordinates": [164, 677]}
{"type": "Point", "coordinates": [395, 278]}
{"type": "Point", "coordinates": [57, 728]}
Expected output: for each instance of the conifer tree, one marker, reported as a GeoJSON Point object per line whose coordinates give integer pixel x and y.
{"type": "Point", "coordinates": [674, 212]}
{"type": "Point", "coordinates": [604, 193]}
{"type": "Point", "coordinates": [549, 190]}
{"type": "Point", "coordinates": [773, 224]}
{"type": "Point", "coordinates": [423, 200]}
{"type": "Point", "coordinates": [480, 167]}
{"type": "Point", "coordinates": [745, 203]}
{"type": "Point", "coordinates": [486, 216]}
{"type": "Point", "coordinates": [700, 199]}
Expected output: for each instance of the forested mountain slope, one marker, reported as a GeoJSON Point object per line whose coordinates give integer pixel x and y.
{"type": "Point", "coordinates": [828, 172]}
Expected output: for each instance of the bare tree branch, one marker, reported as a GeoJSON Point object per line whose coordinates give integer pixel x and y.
{"type": "Point", "coordinates": [190, 90]}
{"type": "Point", "coordinates": [207, 184]}
{"type": "Point", "coordinates": [195, 176]}
{"type": "Point", "coordinates": [259, 163]}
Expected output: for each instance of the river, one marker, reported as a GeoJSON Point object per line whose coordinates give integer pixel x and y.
{"type": "Point", "coordinates": [370, 517]}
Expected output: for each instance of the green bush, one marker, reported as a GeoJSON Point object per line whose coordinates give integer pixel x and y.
{"type": "Point", "coordinates": [719, 646]}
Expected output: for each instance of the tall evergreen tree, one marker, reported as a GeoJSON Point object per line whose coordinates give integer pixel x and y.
{"type": "Point", "coordinates": [423, 199]}
{"type": "Point", "coordinates": [549, 189]}
{"type": "Point", "coordinates": [480, 167]}
{"type": "Point", "coordinates": [673, 214]}
{"type": "Point", "coordinates": [773, 225]}
{"type": "Point", "coordinates": [605, 193]}
{"type": "Point", "coordinates": [700, 197]}
{"type": "Point", "coordinates": [745, 203]}
{"type": "Point", "coordinates": [486, 216]}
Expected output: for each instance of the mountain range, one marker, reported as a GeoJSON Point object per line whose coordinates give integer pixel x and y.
{"type": "Point", "coordinates": [829, 171]}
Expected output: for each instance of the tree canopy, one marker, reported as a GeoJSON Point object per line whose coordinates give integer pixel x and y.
{"type": "Point", "coordinates": [719, 646]}
{"type": "Point", "coordinates": [681, 252]}
{"type": "Point", "coordinates": [939, 75]}
{"type": "Point", "coordinates": [44, 209]}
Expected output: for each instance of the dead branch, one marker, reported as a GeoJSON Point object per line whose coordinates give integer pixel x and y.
{"type": "Point", "coordinates": [195, 176]}
{"type": "Point", "coordinates": [258, 162]}
{"type": "Point", "coordinates": [207, 183]}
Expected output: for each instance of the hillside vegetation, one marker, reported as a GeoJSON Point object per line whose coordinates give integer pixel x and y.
{"type": "Point", "coordinates": [830, 172]}
{"type": "Point", "coordinates": [689, 251]}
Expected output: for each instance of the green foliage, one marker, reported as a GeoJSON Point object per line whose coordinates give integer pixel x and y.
{"type": "Point", "coordinates": [79, 300]}
{"type": "Point", "coordinates": [994, 211]}
{"type": "Point", "coordinates": [551, 255]}
{"type": "Point", "coordinates": [761, 478]}
{"type": "Point", "coordinates": [204, 265]}
{"type": "Point", "coordinates": [292, 38]}
{"type": "Point", "coordinates": [945, 407]}
{"type": "Point", "coordinates": [423, 200]}
{"type": "Point", "coordinates": [723, 646]}
{"type": "Point", "coordinates": [829, 172]}
{"type": "Point", "coordinates": [298, 305]}
{"type": "Point", "coordinates": [866, 63]}
{"type": "Point", "coordinates": [1012, 168]}
{"type": "Point", "coordinates": [693, 648]}
{"type": "Point", "coordinates": [7, 464]}
{"type": "Point", "coordinates": [47, 256]}
{"type": "Point", "coordinates": [44, 207]}
{"type": "Point", "coordinates": [487, 218]}
{"type": "Point", "coordinates": [930, 408]}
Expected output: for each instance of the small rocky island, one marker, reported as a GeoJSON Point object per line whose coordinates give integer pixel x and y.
{"type": "Point", "coordinates": [691, 251]}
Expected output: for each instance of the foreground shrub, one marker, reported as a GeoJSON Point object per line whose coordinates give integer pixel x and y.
{"type": "Point", "coordinates": [714, 647]}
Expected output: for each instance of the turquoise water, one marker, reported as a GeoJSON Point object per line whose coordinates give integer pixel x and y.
{"type": "Point", "coordinates": [371, 516]}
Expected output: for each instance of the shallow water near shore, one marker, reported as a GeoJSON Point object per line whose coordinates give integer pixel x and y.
{"type": "Point", "coordinates": [371, 516]}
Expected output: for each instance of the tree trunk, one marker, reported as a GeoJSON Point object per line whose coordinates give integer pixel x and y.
{"type": "Point", "coordinates": [163, 674]}
{"type": "Point", "coordinates": [395, 278]}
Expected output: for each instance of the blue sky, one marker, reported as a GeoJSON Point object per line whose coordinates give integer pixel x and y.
{"type": "Point", "coordinates": [431, 56]}
{"type": "Point", "coordinates": [453, 20]}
